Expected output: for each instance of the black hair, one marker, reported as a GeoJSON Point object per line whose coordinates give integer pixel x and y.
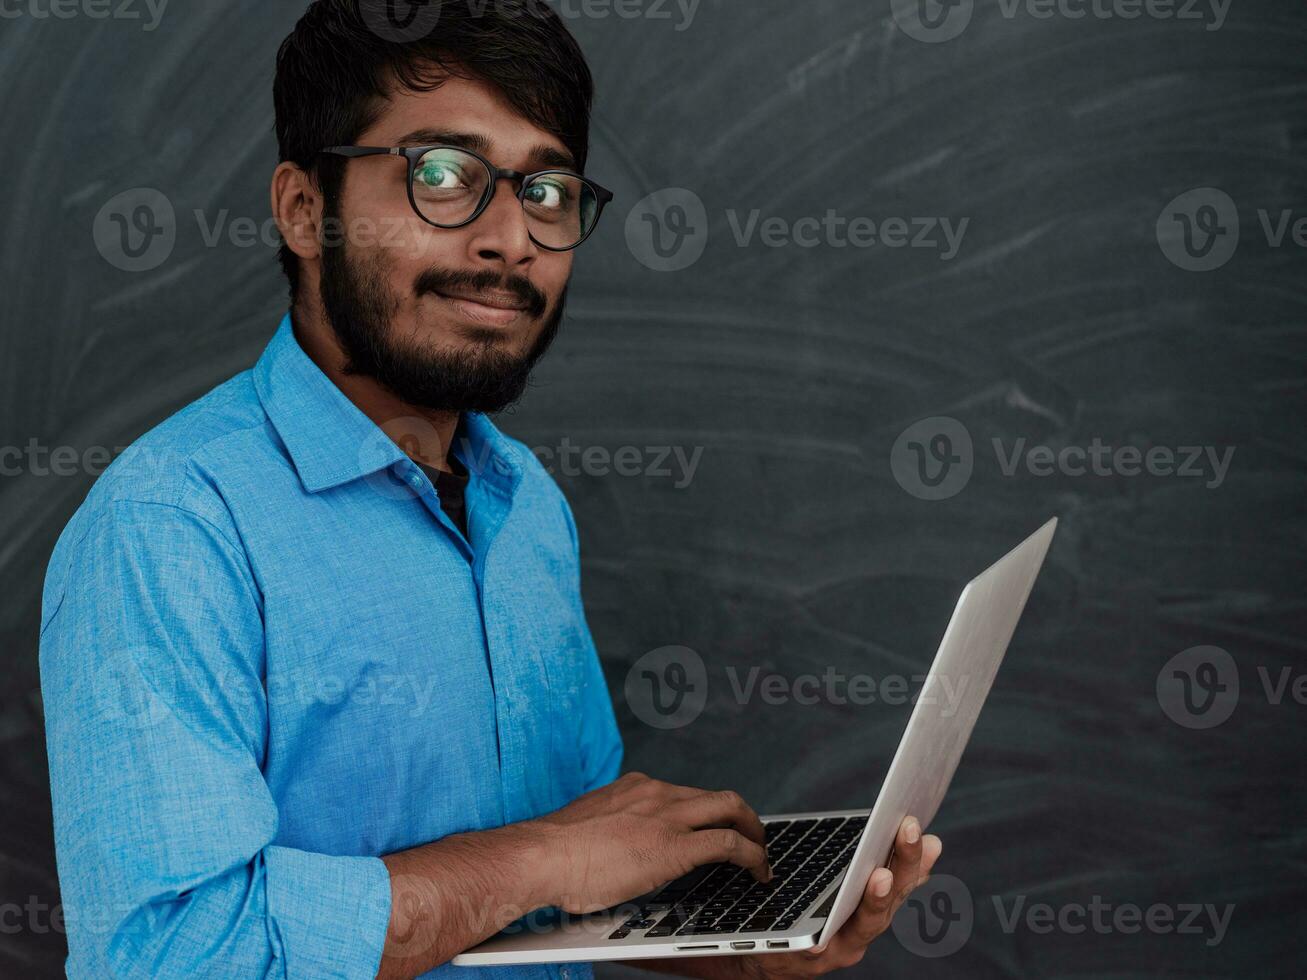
{"type": "Point", "coordinates": [344, 56]}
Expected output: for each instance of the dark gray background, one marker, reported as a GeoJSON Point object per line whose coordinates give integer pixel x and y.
{"type": "Point", "coordinates": [795, 548]}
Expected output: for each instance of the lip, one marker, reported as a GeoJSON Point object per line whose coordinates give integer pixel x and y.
{"type": "Point", "coordinates": [495, 309]}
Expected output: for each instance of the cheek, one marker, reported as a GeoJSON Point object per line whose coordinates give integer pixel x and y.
{"type": "Point", "coordinates": [416, 246]}
{"type": "Point", "coordinates": [553, 270]}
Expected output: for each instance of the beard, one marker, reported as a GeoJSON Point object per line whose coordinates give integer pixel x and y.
{"type": "Point", "coordinates": [474, 376]}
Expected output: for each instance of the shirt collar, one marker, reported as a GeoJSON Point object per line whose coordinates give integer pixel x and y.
{"type": "Point", "coordinates": [331, 441]}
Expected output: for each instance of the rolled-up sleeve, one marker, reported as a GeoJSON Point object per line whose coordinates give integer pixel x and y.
{"type": "Point", "coordinates": [156, 723]}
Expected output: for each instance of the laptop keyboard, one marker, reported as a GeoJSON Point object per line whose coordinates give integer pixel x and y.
{"type": "Point", "coordinates": [805, 857]}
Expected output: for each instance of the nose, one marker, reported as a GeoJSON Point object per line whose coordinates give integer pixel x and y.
{"type": "Point", "coordinates": [500, 235]}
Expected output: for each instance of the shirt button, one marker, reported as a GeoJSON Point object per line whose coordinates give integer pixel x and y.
{"type": "Point", "coordinates": [565, 973]}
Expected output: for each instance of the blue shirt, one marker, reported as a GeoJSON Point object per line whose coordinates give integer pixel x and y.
{"type": "Point", "coordinates": [268, 657]}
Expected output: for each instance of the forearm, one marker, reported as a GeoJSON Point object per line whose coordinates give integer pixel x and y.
{"type": "Point", "coordinates": [451, 894]}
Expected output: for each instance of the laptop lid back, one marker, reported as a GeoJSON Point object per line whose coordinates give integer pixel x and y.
{"type": "Point", "coordinates": [947, 707]}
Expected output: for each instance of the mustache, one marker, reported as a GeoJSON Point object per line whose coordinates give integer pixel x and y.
{"type": "Point", "coordinates": [436, 281]}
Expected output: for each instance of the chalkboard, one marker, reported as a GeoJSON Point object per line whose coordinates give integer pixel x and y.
{"type": "Point", "coordinates": [886, 285]}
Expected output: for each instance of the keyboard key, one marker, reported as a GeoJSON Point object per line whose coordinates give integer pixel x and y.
{"type": "Point", "coordinates": [696, 930]}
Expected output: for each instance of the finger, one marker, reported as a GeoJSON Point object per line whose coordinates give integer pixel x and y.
{"type": "Point", "coordinates": [872, 915]}
{"type": "Point", "coordinates": [840, 953]}
{"type": "Point", "coordinates": [909, 861]}
{"type": "Point", "coordinates": [721, 809]}
{"type": "Point", "coordinates": [931, 848]}
{"type": "Point", "coordinates": [724, 844]}
{"type": "Point", "coordinates": [907, 847]}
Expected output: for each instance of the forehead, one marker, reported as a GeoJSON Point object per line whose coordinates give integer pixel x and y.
{"type": "Point", "coordinates": [462, 105]}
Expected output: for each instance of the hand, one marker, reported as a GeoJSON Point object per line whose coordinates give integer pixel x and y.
{"type": "Point", "coordinates": [629, 837]}
{"type": "Point", "coordinates": [887, 888]}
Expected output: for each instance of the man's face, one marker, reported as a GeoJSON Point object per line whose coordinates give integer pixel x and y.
{"type": "Point", "coordinates": [446, 319]}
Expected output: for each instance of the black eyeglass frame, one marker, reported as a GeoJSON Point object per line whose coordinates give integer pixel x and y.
{"type": "Point", "coordinates": [414, 155]}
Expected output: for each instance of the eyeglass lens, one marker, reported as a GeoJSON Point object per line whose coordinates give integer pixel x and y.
{"type": "Point", "coordinates": [449, 185]}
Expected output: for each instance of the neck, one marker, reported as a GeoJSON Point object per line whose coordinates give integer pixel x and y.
{"type": "Point", "coordinates": [427, 443]}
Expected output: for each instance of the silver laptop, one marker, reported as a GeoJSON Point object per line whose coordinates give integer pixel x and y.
{"type": "Point", "coordinates": [820, 861]}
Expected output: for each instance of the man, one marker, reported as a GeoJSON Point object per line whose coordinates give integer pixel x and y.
{"type": "Point", "coordinates": [318, 705]}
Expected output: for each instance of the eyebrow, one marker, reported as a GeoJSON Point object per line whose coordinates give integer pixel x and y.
{"type": "Point", "coordinates": [541, 157]}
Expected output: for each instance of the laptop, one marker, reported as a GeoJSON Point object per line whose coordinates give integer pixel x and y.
{"type": "Point", "coordinates": [820, 861]}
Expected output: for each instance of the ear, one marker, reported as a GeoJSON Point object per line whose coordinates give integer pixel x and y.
{"type": "Point", "coordinates": [297, 209]}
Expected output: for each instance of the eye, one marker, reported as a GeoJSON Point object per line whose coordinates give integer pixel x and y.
{"type": "Point", "coordinates": [441, 175]}
{"type": "Point", "coordinates": [548, 195]}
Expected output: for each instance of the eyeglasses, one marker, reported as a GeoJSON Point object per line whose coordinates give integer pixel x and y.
{"type": "Point", "coordinates": [450, 187]}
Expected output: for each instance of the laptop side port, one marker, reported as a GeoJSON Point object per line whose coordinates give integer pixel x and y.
{"type": "Point", "coordinates": [743, 944]}
{"type": "Point", "coordinates": [699, 946]}
{"type": "Point", "coordinates": [778, 944]}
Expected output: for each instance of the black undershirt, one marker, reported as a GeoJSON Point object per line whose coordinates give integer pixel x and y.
{"type": "Point", "coordinates": [451, 488]}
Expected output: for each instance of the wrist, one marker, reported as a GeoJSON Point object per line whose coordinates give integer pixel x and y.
{"type": "Point", "coordinates": [543, 863]}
